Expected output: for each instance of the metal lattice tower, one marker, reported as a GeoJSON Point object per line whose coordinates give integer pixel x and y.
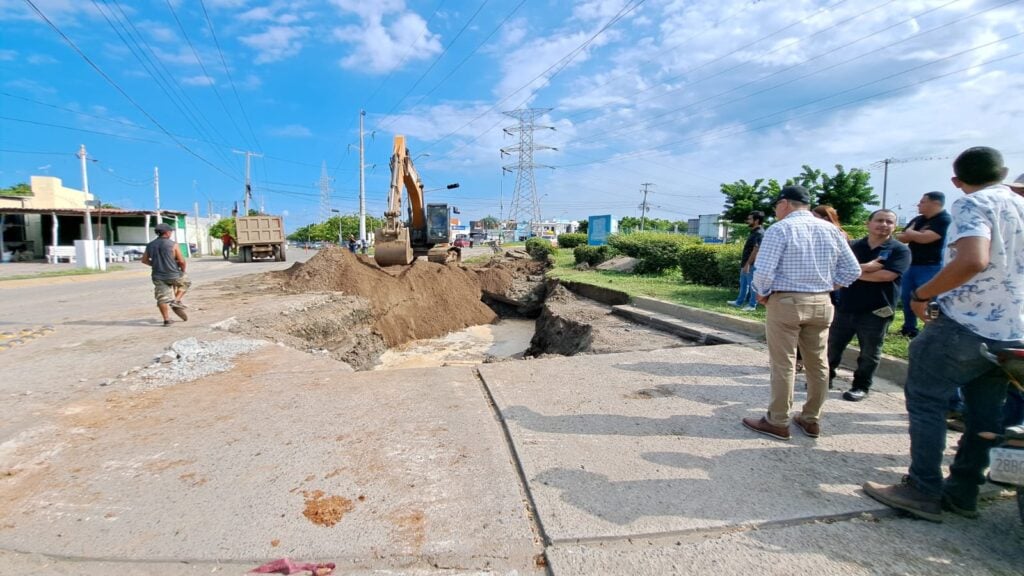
{"type": "Point", "coordinates": [525, 205]}
{"type": "Point", "coordinates": [325, 193]}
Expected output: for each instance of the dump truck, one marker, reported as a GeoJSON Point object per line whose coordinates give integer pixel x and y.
{"type": "Point", "coordinates": [260, 237]}
{"type": "Point", "coordinates": [426, 230]}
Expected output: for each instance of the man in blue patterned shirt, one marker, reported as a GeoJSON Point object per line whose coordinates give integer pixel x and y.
{"type": "Point", "coordinates": [801, 260]}
{"type": "Point", "coordinates": [980, 294]}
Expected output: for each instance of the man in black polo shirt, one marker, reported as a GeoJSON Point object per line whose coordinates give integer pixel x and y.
{"type": "Point", "coordinates": [747, 295]}
{"type": "Point", "coordinates": [926, 236]}
{"type": "Point", "coordinates": [867, 306]}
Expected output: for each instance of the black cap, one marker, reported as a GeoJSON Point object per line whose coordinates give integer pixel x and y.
{"type": "Point", "coordinates": [796, 194]}
{"type": "Point", "coordinates": [161, 228]}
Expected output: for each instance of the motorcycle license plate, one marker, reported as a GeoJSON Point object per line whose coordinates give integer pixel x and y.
{"type": "Point", "coordinates": [1007, 466]}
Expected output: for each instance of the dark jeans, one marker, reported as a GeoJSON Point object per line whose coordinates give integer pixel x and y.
{"type": "Point", "coordinates": [914, 278]}
{"type": "Point", "coordinates": [870, 332]}
{"type": "Point", "coordinates": [747, 295]}
{"type": "Point", "coordinates": [946, 356]}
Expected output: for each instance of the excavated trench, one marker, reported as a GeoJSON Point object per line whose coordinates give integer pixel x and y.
{"type": "Point", "coordinates": [430, 314]}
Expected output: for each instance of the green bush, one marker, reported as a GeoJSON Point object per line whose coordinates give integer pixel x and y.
{"type": "Point", "coordinates": [593, 255]}
{"type": "Point", "coordinates": [699, 264]}
{"type": "Point", "coordinates": [539, 248]}
{"type": "Point", "coordinates": [728, 258]}
{"type": "Point", "coordinates": [656, 251]}
{"type": "Point", "coordinates": [855, 231]}
{"type": "Point", "coordinates": [572, 240]}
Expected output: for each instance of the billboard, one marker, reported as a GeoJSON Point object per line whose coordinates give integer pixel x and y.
{"type": "Point", "coordinates": [599, 228]}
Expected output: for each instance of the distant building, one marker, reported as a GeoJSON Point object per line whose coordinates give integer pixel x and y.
{"type": "Point", "coordinates": [710, 227]}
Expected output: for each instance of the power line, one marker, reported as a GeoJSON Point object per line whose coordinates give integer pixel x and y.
{"type": "Point", "coordinates": [49, 125]}
{"type": "Point", "coordinates": [231, 80]}
{"type": "Point", "coordinates": [122, 92]}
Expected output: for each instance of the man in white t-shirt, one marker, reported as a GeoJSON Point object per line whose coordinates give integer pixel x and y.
{"type": "Point", "coordinates": [980, 293]}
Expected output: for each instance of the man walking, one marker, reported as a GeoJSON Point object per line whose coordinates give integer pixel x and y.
{"type": "Point", "coordinates": [169, 279]}
{"type": "Point", "coordinates": [801, 260]}
{"type": "Point", "coordinates": [926, 236]}
{"type": "Point", "coordinates": [867, 306]}
{"type": "Point", "coordinates": [228, 242]}
{"type": "Point", "coordinates": [980, 293]}
{"type": "Point", "coordinates": [747, 295]}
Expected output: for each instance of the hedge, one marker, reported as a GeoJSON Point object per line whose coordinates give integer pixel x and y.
{"type": "Point", "coordinates": [656, 251]}
{"type": "Point", "coordinates": [593, 255]}
{"type": "Point", "coordinates": [572, 240]}
{"type": "Point", "coordinates": [539, 248]}
{"type": "Point", "coordinates": [712, 264]}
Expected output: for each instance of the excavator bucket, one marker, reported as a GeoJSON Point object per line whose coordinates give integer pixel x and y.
{"type": "Point", "coordinates": [392, 250]}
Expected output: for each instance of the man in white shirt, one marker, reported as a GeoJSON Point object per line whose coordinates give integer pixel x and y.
{"type": "Point", "coordinates": [980, 293]}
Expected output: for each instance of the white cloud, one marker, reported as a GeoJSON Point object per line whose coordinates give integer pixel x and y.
{"type": "Point", "coordinates": [200, 80]}
{"type": "Point", "coordinates": [38, 59]}
{"type": "Point", "coordinates": [388, 36]}
{"type": "Point", "coordinates": [276, 42]}
{"type": "Point", "coordinates": [30, 86]}
{"type": "Point", "coordinates": [8, 55]}
{"type": "Point", "coordinates": [292, 131]}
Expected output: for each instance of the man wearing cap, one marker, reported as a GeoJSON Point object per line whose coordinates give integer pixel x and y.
{"type": "Point", "coordinates": [169, 280]}
{"type": "Point", "coordinates": [801, 260]}
{"type": "Point", "coordinates": [926, 237]}
{"type": "Point", "coordinates": [980, 293]}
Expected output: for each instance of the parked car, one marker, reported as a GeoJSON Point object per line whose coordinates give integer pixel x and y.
{"type": "Point", "coordinates": [462, 243]}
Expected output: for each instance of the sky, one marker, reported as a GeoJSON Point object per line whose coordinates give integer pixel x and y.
{"type": "Point", "coordinates": [679, 95]}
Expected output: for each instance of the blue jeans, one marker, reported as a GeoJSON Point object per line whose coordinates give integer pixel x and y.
{"type": "Point", "coordinates": [914, 278]}
{"type": "Point", "coordinates": [747, 293]}
{"type": "Point", "coordinates": [870, 332]}
{"type": "Point", "coordinates": [945, 356]}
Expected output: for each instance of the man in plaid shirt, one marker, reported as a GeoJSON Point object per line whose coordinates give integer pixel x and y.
{"type": "Point", "coordinates": [801, 260]}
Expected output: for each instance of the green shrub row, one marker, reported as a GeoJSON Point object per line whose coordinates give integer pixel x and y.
{"type": "Point", "coordinates": [593, 255]}
{"type": "Point", "coordinates": [657, 252]}
{"type": "Point", "coordinates": [572, 240]}
{"type": "Point", "coordinates": [712, 264]}
{"type": "Point", "coordinates": [539, 248]}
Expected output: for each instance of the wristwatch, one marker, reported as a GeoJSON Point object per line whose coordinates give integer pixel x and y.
{"type": "Point", "coordinates": [916, 298]}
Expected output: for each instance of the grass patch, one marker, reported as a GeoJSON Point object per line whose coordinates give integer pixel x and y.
{"type": "Point", "coordinates": [57, 273]}
{"type": "Point", "coordinates": [671, 288]}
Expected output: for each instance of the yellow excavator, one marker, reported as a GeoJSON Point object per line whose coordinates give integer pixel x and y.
{"type": "Point", "coordinates": [425, 232]}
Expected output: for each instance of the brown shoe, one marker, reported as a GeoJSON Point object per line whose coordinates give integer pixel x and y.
{"type": "Point", "coordinates": [810, 429]}
{"type": "Point", "coordinates": [763, 426]}
{"type": "Point", "coordinates": [906, 497]}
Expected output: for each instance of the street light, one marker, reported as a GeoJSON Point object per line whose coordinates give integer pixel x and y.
{"type": "Point", "coordinates": [451, 186]}
{"type": "Point", "coordinates": [420, 155]}
{"type": "Point", "coordinates": [340, 243]}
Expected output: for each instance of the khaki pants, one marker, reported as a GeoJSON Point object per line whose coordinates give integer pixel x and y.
{"type": "Point", "coordinates": [798, 318]}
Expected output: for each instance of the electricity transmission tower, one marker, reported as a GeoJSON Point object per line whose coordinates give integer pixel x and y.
{"type": "Point", "coordinates": [524, 205]}
{"type": "Point", "coordinates": [325, 193]}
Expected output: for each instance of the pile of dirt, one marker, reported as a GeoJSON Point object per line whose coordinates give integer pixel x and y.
{"type": "Point", "coordinates": [423, 300]}
{"type": "Point", "coordinates": [514, 286]}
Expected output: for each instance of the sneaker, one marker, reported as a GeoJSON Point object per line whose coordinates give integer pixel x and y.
{"type": "Point", "coordinates": [749, 309]}
{"type": "Point", "coordinates": [904, 496]}
{"type": "Point", "coordinates": [810, 429]}
{"type": "Point", "coordinates": [855, 394]}
{"type": "Point", "coordinates": [763, 426]}
{"type": "Point", "coordinates": [167, 323]}
{"type": "Point", "coordinates": [959, 507]}
{"type": "Point", "coordinates": [954, 425]}
{"type": "Point", "coordinates": [733, 304]}
{"type": "Point", "coordinates": [177, 304]}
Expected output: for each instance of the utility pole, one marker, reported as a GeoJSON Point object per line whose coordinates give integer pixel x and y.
{"type": "Point", "coordinates": [325, 193]}
{"type": "Point", "coordinates": [524, 199]}
{"type": "Point", "coordinates": [885, 179]}
{"type": "Point", "coordinates": [362, 183]}
{"type": "Point", "coordinates": [643, 205]}
{"type": "Point", "coordinates": [156, 191]}
{"type": "Point", "coordinates": [85, 188]}
{"type": "Point", "coordinates": [248, 184]}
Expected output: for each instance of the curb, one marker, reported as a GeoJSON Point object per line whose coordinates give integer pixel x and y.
{"type": "Point", "coordinates": [889, 367]}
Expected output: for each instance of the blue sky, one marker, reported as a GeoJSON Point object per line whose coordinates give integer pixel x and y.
{"type": "Point", "coordinates": [681, 94]}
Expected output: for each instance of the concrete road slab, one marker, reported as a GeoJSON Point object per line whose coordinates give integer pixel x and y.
{"type": "Point", "coordinates": [863, 545]}
{"type": "Point", "coordinates": [624, 445]}
{"type": "Point", "coordinates": [283, 455]}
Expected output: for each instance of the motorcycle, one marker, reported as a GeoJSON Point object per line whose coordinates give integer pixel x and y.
{"type": "Point", "coordinates": [1007, 460]}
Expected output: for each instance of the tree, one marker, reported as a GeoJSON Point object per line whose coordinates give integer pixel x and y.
{"type": "Point", "coordinates": [490, 223]}
{"type": "Point", "coordinates": [221, 226]}
{"type": "Point", "coordinates": [20, 189]}
{"type": "Point", "coordinates": [334, 228]}
{"type": "Point", "coordinates": [743, 198]}
{"type": "Point", "coordinates": [583, 226]}
{"type": "Point", "coordinates": [848, 192]}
